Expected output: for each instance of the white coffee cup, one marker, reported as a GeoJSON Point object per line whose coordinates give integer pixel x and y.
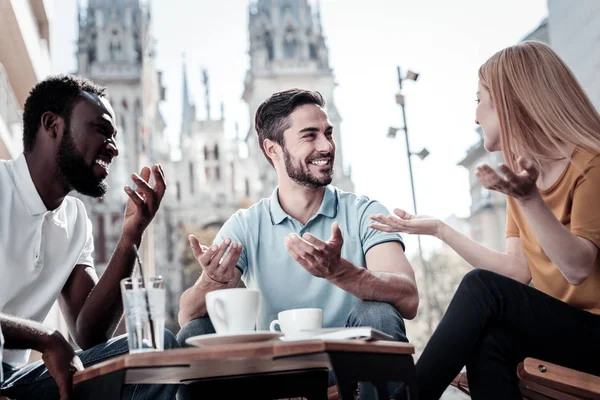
{"type": "Point", "coordinates": [293, 322]}
{"type": "Point", "coordinates": [233, 310]}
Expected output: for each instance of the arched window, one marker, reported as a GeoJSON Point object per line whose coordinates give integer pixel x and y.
{"type": "Point", "coordinates": [216, 151]}
{"type": "Point", "coordinates": [269, 46]}
{"type": "Point", "coordinates": [289, 43]}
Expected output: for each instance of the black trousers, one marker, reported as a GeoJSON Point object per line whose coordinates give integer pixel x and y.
{"type": "Point", "coordinates": [491, 325]}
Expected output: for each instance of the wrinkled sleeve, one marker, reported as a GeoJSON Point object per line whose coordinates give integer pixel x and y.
{"type": "Point", "coordinates": [234, 230]}
{"type": "Point", "coordinates": [371, 237]}
{"type": "Point", "coordinates": [86, 256]}
{"type": "Point", "coordinates": [512, 230]}
{"type": "Point", "coordinates": [585, 212]}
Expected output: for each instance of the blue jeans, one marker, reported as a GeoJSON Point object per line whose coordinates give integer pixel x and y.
{"type": "Point", "coordinates": [35, 382]}
{"type": "Point", "coordinates": [378, 315]}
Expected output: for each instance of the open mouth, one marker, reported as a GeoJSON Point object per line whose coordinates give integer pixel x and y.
{"type": "Point", "coordinates": [103, 165]}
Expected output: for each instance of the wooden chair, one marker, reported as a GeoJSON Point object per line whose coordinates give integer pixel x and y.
{"type": "Point", "coordinates": [541, 380]}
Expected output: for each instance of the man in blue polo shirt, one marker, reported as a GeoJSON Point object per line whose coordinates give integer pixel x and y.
{"type": "Point", "coordinates": [309, 244]}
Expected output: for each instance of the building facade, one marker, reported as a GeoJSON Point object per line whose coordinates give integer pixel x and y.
{"type": "Point", "coordinates": [24, 60]}
{"type": "Point", "coordinates": [288, 50]}
{"type": "Point", "coordinates": [574, 33]}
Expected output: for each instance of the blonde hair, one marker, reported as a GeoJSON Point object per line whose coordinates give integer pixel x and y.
{"type": "Point", "coordinates": [541, 106]}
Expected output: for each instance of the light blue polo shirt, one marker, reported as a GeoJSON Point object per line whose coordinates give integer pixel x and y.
{"type": "Point", "coordinates": [283, 283]}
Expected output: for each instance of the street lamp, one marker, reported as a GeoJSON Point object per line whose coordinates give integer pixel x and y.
{"type": "Point", "coordinates": [400, 100]}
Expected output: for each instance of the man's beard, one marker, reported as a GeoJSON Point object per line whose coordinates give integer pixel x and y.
{"type": "Point", "coordinates": [76, 173]}
{"type": "Point", "coordinates": [303, 176]}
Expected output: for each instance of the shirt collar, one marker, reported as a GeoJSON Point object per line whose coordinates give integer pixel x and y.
{"type": "Point", "coordinates": [328, 205]}
{"type": "Point", "coordinates": [25, 187]}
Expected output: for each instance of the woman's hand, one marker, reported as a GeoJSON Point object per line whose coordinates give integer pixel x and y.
{"type": "Point", "coordinates": [407, 223]}
{"type": "Point", "coordinates": [522, 186]}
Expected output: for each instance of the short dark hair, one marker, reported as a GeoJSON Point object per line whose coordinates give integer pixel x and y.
{"type": "Point", "coordinates": [271, 118]}
{"type": "Point", "coordinates": [57, 94]}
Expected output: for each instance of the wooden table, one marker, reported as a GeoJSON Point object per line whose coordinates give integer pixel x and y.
{"type": "Point", "coordinates": [272, 369]}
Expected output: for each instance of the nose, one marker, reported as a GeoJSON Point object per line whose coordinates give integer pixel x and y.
{"type": "Point", "coordinates": [324, 144]}
{"type": "Point", "coordinates": [112, 147]}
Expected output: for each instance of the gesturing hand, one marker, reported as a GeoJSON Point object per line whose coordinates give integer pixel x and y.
{"type": "Point", "coordinates": [62, 363]}
{"type": "Point", "coordinates": [209, 258]}
{"type": "Point", "coordinates": [321, 259]}
{"type": "Point", "coordinates": [144, 202]}
{"type": "Point", "coordinates": [521, 186]}
{"type": "Point", "coordinates": [407, 223]}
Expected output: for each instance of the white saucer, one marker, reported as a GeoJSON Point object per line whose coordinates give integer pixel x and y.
{"type": "Point", "coordinates": [232, 338]}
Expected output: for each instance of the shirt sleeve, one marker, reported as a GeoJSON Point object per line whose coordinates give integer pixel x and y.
{"type": "Point", "coordinates": [585, 211]}
{"type": "Point", "coordinates": [86, 256]}
{"type": "Point", "coordinates": [371, 237]}
{"type": "Point", "coordinates": [234, 230]}
{"type": "Point", "coordinates": [512, 230]}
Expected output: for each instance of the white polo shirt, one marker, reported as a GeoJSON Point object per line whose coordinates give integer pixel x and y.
{"type": "Point", "coordinates": [38, 248]}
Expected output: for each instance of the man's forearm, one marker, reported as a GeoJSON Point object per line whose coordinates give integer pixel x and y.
{"type": "Point", "coordinates": [388, 287]}
{"type": "Point", "coordinates": [20, 333]}
{"type": "Point", "coordinates": [103, 309]}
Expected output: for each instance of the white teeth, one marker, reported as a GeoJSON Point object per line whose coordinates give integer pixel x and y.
{"type": "Point", "coordinates": [103, 164]}
{"type": "Point", "coordinates": [320, 162]}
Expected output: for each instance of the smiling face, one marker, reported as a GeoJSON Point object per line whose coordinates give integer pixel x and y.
{"type": "Point", "coordinates": [88, 145]}
{"type": "Point", "coordinates": [487, 117]}
{"type": "Point", "coordinates": [309, 148]}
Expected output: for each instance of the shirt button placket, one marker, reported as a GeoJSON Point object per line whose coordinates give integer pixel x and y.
{"type": "Point", "coordinates": [39, 250]}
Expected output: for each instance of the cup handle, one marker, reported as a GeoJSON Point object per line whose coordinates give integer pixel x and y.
{"type": "Point", "coordinates": [272, 326]}
{"type": "Point", "coordinates": [220, 312]}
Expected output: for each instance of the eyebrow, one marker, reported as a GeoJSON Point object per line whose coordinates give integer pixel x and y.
{"type": "Point", "coordinates": [314, 129]}
{"type": "Point", "coordinates": [105, 124]}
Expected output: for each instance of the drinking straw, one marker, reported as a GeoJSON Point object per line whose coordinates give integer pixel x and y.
{"type": "Point", "coordinates": [137, 256]}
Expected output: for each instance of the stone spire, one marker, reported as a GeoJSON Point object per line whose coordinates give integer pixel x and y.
{"type": "Point", "coordinates": [286, 36]}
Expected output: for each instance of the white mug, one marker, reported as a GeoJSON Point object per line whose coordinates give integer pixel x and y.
{"type": "Point", "coordinates": [233, 310]}
{"type": "Point", "coordinates": [292, 322]}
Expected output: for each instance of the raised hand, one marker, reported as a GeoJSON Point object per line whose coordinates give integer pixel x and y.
{"type": "Point", "coordinates": [62, 363]}
{"type": "Point", "coordinates": [144, 202]}
{"type": "Point", "coordinates": [521, 186]}
{"type": "Point", "coordinates": [209, 258]}
{"type": "Point", "coordinates": [321, 259]}
{"type": "Point", "coordinates": [407, 223]}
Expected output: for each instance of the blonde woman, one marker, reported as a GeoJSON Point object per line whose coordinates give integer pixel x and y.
{"type": "Point", "coordinates": [532, 109]}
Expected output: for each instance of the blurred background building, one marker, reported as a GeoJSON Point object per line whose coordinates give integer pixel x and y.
{"type": "Point", "coordinates": [24, 60]}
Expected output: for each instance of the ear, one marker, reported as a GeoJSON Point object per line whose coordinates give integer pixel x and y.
{"type": "Point", "coordinates": [272, 149]}
{"type": "Point", "coordinates": [52, 125]}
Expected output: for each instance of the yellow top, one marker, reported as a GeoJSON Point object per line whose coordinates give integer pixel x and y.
{"type": "Point", "coordinates": [574, 200]}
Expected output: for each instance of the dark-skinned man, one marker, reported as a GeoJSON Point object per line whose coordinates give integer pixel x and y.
{"type": "Point", "coordinates": [46, 242]}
